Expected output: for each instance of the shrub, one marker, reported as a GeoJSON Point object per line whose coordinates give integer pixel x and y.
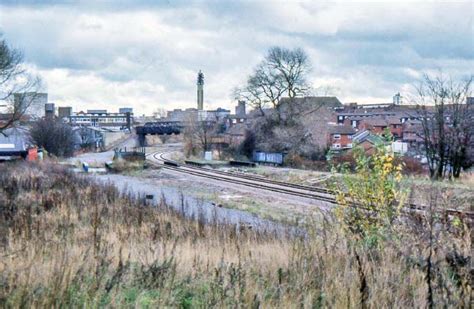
{"type": "Point", "coordinates": [54, 136]}
{"type": "Point", "coordinates": [371, 198]}
{"type": "Point", "coordinates": [247, 146]}
{"type": "Point", "coordinates": [411, 166]}
{"type": "Point", "coordinates": [345, 160]}
{"type": "Point", "coordinates": [294, 160]}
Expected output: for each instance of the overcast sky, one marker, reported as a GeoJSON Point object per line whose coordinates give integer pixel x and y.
{"type": "Point", "coordinates": [110, 54]}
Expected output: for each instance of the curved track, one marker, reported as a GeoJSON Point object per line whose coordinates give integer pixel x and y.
{"type": "Point", "coordinates": [316, 193]}
{"type": "Point", "coordinates": [249, 181]}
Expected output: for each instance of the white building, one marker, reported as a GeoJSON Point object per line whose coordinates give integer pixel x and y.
{"type": "Point", "coordinates": [101, 118]}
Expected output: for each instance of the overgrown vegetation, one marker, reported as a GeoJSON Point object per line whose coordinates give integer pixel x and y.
{"type": "Point", "coordinates": [375, 190]}
{"type": "Point", "coordinates": [54, 136]}
{"type": "Point", "coordinates": [69, 242]}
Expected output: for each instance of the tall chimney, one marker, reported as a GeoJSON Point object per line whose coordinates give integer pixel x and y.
{"type": "Point", "coordinates": [200, 91]}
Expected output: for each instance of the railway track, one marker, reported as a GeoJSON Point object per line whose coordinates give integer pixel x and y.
{"type": "Point", "coordinates": [254, 182]}
{"type": "Point", "coordinates": [316, 193]}
{"type": "Point", "coordinates": [258, 178]}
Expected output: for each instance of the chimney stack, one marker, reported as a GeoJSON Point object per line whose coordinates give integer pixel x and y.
{"type": "Point", "coordinates": [200, 91]}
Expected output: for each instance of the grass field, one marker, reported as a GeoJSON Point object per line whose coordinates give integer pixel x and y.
{"type": "Point", "coordinates": [68, 242]}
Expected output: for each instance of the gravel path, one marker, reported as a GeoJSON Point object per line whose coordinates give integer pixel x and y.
{"type": "Point", "coordinates": [187, 205]}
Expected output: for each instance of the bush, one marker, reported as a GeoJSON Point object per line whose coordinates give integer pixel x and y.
{"type": "Point", "coordinates": [345, 160]}
{"type": "Point", "coordinates": [371, 198]}
{"type": "Point", "coordinates": [294, 160]}
{"type": "Point", "coordinates": [411, 166]}
{"type": "Point", "coordinates": [247, 147]}
{"type": "Point", "coordinates": [54, 136]}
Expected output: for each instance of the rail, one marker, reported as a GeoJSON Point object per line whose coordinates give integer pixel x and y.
{"type": "Point", "coordinates": [316, 193]}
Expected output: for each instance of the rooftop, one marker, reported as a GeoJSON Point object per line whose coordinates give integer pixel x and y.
{"type": "Point", "coordinates": [341, 130]}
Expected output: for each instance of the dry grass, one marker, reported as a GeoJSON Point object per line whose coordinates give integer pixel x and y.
{"type": "Point", "coordinates": [67, 242]}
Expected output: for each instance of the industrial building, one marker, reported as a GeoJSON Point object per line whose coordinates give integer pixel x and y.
{"type": "Point", "coordinates": [32, 102]}
{"type": "Point", "coordinates": [97, 118]}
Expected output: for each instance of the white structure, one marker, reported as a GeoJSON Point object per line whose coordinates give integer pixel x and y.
{"type": "Point", "coordinates": [100, 118]}
{"type": "Point", "coordinates": [397, 99]}
{"type": "Point", "coordinates": [399, 147]}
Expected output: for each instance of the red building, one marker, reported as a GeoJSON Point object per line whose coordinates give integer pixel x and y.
{"type": "Point", "coordinates": [340, 137]}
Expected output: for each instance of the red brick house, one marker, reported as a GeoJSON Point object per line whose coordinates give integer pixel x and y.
{"type": "Point", "coordinates": [396, 127]}
{"type": "Point", "coordinates": [340, 137]}
{"type": "Point", "coordinates": [375, 125]}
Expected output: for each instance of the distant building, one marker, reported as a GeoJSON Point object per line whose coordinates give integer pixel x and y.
{"type": "Point", "coordinates": [367, 141]}
{"type": "Point", "coordinates": [189, 114]}
{"type": "Point", "coordinates": [33, 102]}
{"type": "Point", "coordinates": [100, 118]}
{"type": "Point", "coordinates": [239, 117]}
{"type": "Point", "coordinates": [340, 137]}
{"type": "Point", "coordinates": [397, 99]}
{"type": "Point", "coordinates": [97, 111]}
{"type": "Point", "coordinates": [49, 111]}
{"type": "Point", "coordinates": [64, 112]}
{"type": "Point", "coordinates": [124, 110]}
{"type": "Point", "coordinates": [240, 109]}
{"type": "Point", "coordinates": [213, 115]}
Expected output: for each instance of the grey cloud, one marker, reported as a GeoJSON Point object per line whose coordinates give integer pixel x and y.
{"type": "Point", "coordinates": [154, 49]}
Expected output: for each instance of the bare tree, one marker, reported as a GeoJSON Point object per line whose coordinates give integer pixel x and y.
{"type": "Point", "coordinates": [447, 124]}
{"type": "Point", "coordinates": [252, 95]}
{"type": "Point", "coordinates": [198, 133]}
{"type": "Point", "coordinates": [54, 136]}
{"type": "Point", "coordinates": [292, 67]}
{"type": "Point", "coordinates": [87, 137]}
{"type": "Point", "coordinates": [282, 73]}
{"type": "Point", "coordinates": [14, 78]}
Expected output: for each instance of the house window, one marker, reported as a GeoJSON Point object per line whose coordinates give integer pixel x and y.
{"type": "Point", "coordinates": [336, 136]}
{"type": "Point", "coordinates": [337, 146]}
{"type": "Point", "coordinates": [354, 123]}
{"type": "Point", "coordinates": [349, 145]}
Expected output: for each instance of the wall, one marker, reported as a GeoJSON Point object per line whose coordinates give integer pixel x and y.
{"type": "Point", "coordinates": [396, 131]}
{"type": "Point", "coordinates": [152, 140]}
{"type": "Point", "coordinates": [112, 137]}
{"type": "Point", "coordinates": [344, 140]}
